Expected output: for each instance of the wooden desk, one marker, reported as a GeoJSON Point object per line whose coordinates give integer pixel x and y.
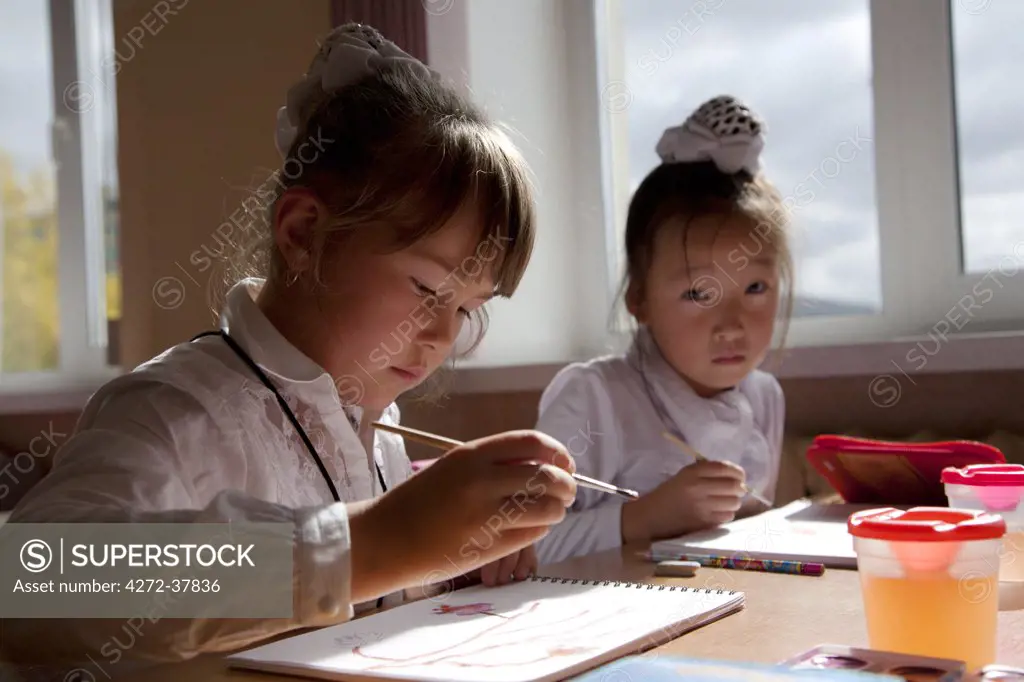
{"type": "Point", "coordinates": [784, 615]}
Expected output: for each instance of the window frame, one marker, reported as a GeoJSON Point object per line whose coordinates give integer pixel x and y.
{"type": "Point", "coordinates": [82, 314]}
{"type": "Point", "coordinates": [914, 120]}
{"type": "Point", "coordinates": [916, 188]}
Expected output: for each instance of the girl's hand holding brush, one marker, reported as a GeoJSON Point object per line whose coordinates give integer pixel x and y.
{"type": "Point", "coordinates": [483, 501]}
{"type": "Point", "coordinates": [700, 496]}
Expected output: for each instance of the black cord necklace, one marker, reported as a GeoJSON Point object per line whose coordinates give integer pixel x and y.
{"type": "Point", "coordinates": [287, 411]}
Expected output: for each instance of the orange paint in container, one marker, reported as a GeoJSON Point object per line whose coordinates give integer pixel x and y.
{"type": "Point", "coordinates": [929, 579]}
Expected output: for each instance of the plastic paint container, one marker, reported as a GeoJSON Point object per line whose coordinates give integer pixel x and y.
{"type": "Point", "coordinates": [929, 580]}
{"type": "Point", "coordinates": [997, 489]}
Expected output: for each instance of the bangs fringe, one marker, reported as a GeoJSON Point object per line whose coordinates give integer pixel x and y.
{"type": "Point", "coordinates": [474, 168]}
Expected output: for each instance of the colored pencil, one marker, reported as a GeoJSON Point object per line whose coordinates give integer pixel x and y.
{"type": "Point", "coordinates": [442, 443]}
{"type": "Point", "coordinates": [685, 447]}
{"type": "Point", "coordinates": [743, 564]}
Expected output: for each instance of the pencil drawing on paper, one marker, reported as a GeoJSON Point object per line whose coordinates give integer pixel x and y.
{"type": "Point", "coordinates": [465, 609]}
{"type": "Point", "coordinates": [532, 633]}
{"type": "Point", "coordinates": [358, 639]}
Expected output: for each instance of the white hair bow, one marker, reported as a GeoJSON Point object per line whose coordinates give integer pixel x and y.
{"type": "Point", "coordinates": [349, 53]}
{"type": "Point", "coordinates": [722, 130]}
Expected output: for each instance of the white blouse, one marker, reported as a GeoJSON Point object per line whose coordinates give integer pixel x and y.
{"type": "Point", "coordinates": [193, 435]}
{"type": "Point", "coordinates": [611, 420]}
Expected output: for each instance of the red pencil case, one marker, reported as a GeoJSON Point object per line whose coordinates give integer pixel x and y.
{"type": "Point", "coordinates": [868, 471]}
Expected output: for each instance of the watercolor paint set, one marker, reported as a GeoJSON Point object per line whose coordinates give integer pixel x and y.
{"type": "Point", "coordinates": [908, 667]}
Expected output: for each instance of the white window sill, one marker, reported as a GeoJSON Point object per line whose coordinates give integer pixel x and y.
{"type": "Point", "coordinates": [982, 352]}
{"type": "Point", "coordinates": [50, 393]}
{"type": "Point", "coordinates": [904, 357]}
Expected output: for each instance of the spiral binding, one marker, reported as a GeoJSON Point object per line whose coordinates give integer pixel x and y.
{"type": "Point", "coordinates": [626, 583]}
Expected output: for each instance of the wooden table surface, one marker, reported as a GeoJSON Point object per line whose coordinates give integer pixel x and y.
{"type": "Point", "coordinates": [784, 615]}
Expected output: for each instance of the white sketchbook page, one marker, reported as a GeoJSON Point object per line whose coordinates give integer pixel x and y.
{"type": "Point", "coordinates": [799, 531]}
{"type": "Point", "coordinates": [536, 630]}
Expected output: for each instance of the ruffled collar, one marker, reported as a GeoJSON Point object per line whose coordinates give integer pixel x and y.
{"type": "Point", "coordinates": [275, 354]}
{"type": "Point", "coordinates": [720, 428]}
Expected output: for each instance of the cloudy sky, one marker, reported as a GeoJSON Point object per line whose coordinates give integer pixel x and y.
{"type": "Point", "coordinates": [26, 85]}
{"type": "Point", "coordinates": [805, 67]}
{"type": "Point", "coordinates": [27, 100]}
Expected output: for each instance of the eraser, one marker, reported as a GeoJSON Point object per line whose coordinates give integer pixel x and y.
{"type": "Point", "coordinates": [1001, 672]}
{"type": "Point", "coordinates": [677, 569]}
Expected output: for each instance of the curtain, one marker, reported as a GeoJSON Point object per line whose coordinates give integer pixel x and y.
{"type": "Point", "coordinates": [403, 22]}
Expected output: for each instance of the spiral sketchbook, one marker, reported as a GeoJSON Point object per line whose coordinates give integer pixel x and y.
{"type": "Point", "coordinates": [531, 631]}
{"type": "Point", "coordinates": [800, 531]}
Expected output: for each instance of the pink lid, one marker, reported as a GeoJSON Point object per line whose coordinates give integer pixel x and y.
{"type": "Point", "coordinates": [999, 487]}
{"type": "Point", "coordinates": [984, 475]}
{"type": "Point", "coordinates": [925, 524]}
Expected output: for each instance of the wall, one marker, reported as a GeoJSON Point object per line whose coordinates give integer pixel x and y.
{"type": "Point", "coordinates": [971, 405]}
{"type": "Point", "coordinates": [967, 405]}
{"type": "Point", "coordinates": [540, 102]}
{"type": "Point", "coordinates": [977, 406]}
{"type": "Point", "coordinates": [197, 107]}
{"type": "Point", "coordinates": [28, 442]}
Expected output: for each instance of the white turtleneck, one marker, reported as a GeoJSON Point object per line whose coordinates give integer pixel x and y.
{"type": "Point", "coordinates": [609, 418]}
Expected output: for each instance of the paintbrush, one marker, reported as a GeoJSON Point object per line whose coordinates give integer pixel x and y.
{"type": "Point", "coordinates": [685, 447]}
{"type": "Point", "coordinates": [442, 443]}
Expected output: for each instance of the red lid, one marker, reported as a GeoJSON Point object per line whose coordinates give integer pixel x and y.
{"type": "Point", "coordinates": [985, 475]}
{"type": "Point", "coordinates": [926, 524]}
